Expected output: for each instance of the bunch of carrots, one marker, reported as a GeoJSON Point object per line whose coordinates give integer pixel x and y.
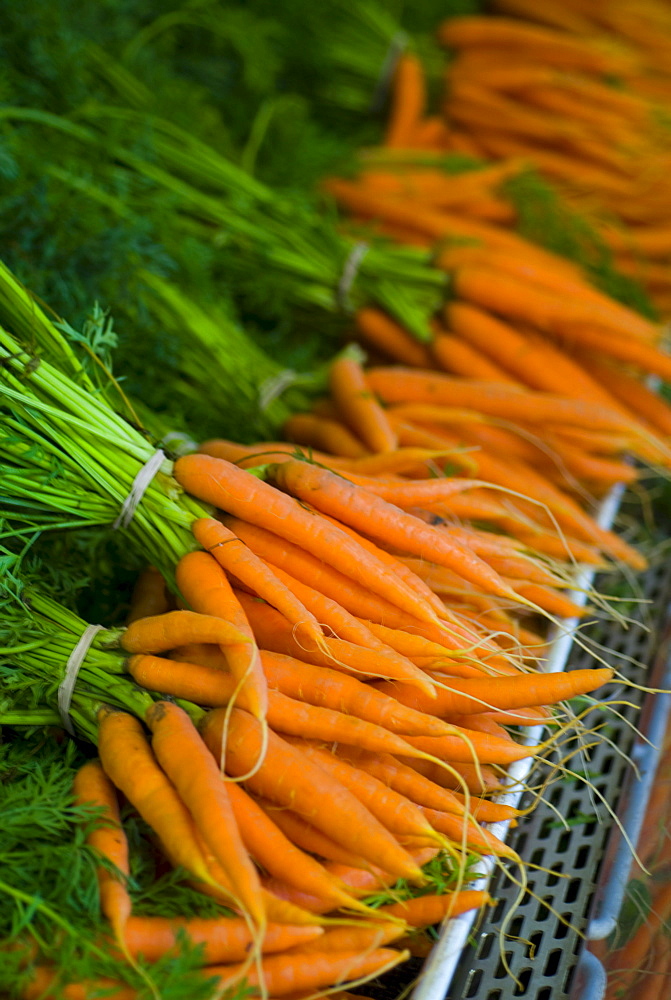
{"type": "Point", "coordinates": [355, 740]}
{"type": "Point", "coordinates": [580, 92]}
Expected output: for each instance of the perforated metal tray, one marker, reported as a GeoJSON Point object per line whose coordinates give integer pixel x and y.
{"type": "Point", "coordinates": [578, 868]}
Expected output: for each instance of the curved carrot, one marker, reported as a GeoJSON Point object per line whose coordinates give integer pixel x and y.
{"type": "Point", "coordinates": [205, 586]}
{"type": "Point", "coordinates": [358, 406]}
{"type": "Point", "coordinates": [196, 776]}
{"type": "Point", "coordinates": [456, 356]}
{"type": "Point", "coordinates": [306, 836]}
{"type": "Point", "coordinates": [93, 787]}
{"type": "Point", "coordinates": [477, 838]}
{"type": "Point", "coordinates": [241, 494]}
{"type": "Point", "coordinates": [158, 634]}
{"type": "Point", "coordinates": [403, 779]}
{"type": "Point", "coordinates": [288, 778]}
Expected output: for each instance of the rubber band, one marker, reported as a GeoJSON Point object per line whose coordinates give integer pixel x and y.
{"type": "Point", "coordinates": [274, 386]}
{"type": "Point", "coordinates": [140, 486]}
{"type": "Point", "coordinates": [183, 443]}
{"type": "Point", "coordinates": [72, 667]}
{"type": "Point", "coordinates": [397, 47]}
{"type": "Point", "coordinates": [349, 273]}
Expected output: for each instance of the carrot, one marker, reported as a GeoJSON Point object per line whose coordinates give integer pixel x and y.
{"type": "Point", "coordinates": [403, 779]}
{"type": "Point", "coordinates": [286, 777]}
{"type": "Point", "coordinates": [359, 408]}
{"type": "Point", "coordinates": [279, 856]}
{"type": "Point", "coordinates": [477, 838]}
{"type": "Point", "coordinates": [224, 939]}
{"type": "Point", "coordinates": [408, 644]}
{"type": "Point", "coordinates": [458, 357]}
{"type": "Point", "coordinates": [404, 385]}
{"type": "Point", "coordinates": [396, 812]}
{"type": "Point", "coordinates": [380, 331]}
{"type": "Point", "coordinates": [192, 769]}
{"type": "Point", "coordinates": [158, 634]}
{"type": "Point", "coordinates": [321, 686]}
{"type": "Point", "coordinates": [129, 762]}
{"type": "Point", "coordinates": [149, 597]}
{"type": "Point", "coordinates": [310, 839]}
{"type": "Point", "coordinates": [642, 356]}
{"type": "Point", "coordinates": [237, 559]}
{"type": "Point", "coordinates": [277, 637]}
{"type": "Point", "coordinates": [423, 911]}
{"type": "Point", "coordinates": [486, 811]}
{"type": "Point", "coordinates": [335, 496]}
{"type": "Point", "coordinates": [93, 787]}
{"type": "Point", "coordinates": [469, 747]}
{"type": "Point", "coordinates": [408, 101]}
{"type": "Point", "coordinates": [205, 586]}
{"type": "Point", "coordinates": [46, 982]}
{"type": "Point", "coordinates": [346, 938]}
{"type": "Point", "coordinates": [324, 433]}
{"type": "Point", "coordinates": [352, 595]}
{"type": "Point", "coordinates": [217, 481]}
{"type": "Point", "coordinates": [463, 697]}
{"type": "Point", "coordinates": [282, 975]}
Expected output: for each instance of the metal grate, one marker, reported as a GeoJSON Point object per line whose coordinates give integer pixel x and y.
{"type": "Point", "coordinates": [542, 951]}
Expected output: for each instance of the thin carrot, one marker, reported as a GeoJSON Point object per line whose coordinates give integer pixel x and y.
{"type": "Point", "coordinates": [306, 836]}
{"type": "Point", "coordinates": [282, 975]}
{"type": "Point", "coordinates": [47, 982]}
{"type": "Point", "coordinates": [237, 559]}
{"type": "Point", "coordinates": [241, 494]}
{"type": "Point", "coordinates": [277, 855]}
{"type": "Point", "coordinates": [345, 938]}
{"type": "Point", "coordinates": [196, 776]}
{"type": "Point", "coordinates": [408, 101]}
{"type": "Point", "coordinates": [286, 777]}
{"type": "Point", "coordinates": [93, 787]}
{"type": "Point", "coordinates": [477, 838]}
{"type": "Point", "coordinates": [323, 433]}
{"type": "Point", "coordinates": [423, 911]}
{"type": "Point", "coordinates": [396, 812]}
{"type": "Point", "coordinates": [458, 357]}
{"type": "Point", "coordinates": [380, 331]}
{"type": "Point", "coordinates": [224, 939]}
{"type": "Point", "coordinates": [462, 697]}
{"type": "Point", "coordinates": [358, 406]}
{"type": "Point", "coordinates": [335, 496]}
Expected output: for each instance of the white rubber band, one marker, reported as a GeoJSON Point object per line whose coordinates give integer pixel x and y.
{"type": "Point", "coordinates": [349, 272]}
{"type": "Point", "coordinates": [179, 443]}
{"type": "Point", "coordinates": [72, 667]}
{"type": "Point", "coordinates": [275, 386]}
{"type": "Point", "coordinates": [397, 47]}
{"type": "Point", "coordinates": [138, 489]}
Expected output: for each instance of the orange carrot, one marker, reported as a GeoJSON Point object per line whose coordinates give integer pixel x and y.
{"type": "Point", "coordinates": [463, 697]}
{"type": "Point", "coordinates": [323, 433]}
{"type": "Point", "coordinates": [458, 357]}
{"type": "Point", "coordinates": [93, 787]}
{"type": "Point", "coordinates": [239, 493]}
{"type": "Point", "coordinates": [423, 911]}
{"type": "Point", "coordinates": [408, 101]}
{"type": "Point", "coordinates": [309, 838]}
{"type": "Point", "coordinates": [205, 586]}
{"type": "Point", "coordinates": [286, 777]}
{"type": "Point", "coordinates": [477, 838]}
{"type": "Point", "coordinates": [158, 634]}
{"type": "Point", "coordinates": [358, 406]}
{"type": "Point", "coordinates": [195, 774]}
{"type": "Point", "coordinates": [149, 596]}
{"type": "Point", "coordinates": [335, 496]}
{"type": "Point", "coordinates": [225, 939]}
{"type": "Point", "coordinates": [380, 331]}
{"type": "Point", "coordinates": [282, 975]}
{"type": "Point", "coordinates": [128, 760]}
{"type": "Point", "coordinates": [237, 559]}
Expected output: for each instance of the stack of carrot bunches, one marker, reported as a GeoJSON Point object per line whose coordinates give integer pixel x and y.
{"type": "Point", "coordinates": [580, 91]}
